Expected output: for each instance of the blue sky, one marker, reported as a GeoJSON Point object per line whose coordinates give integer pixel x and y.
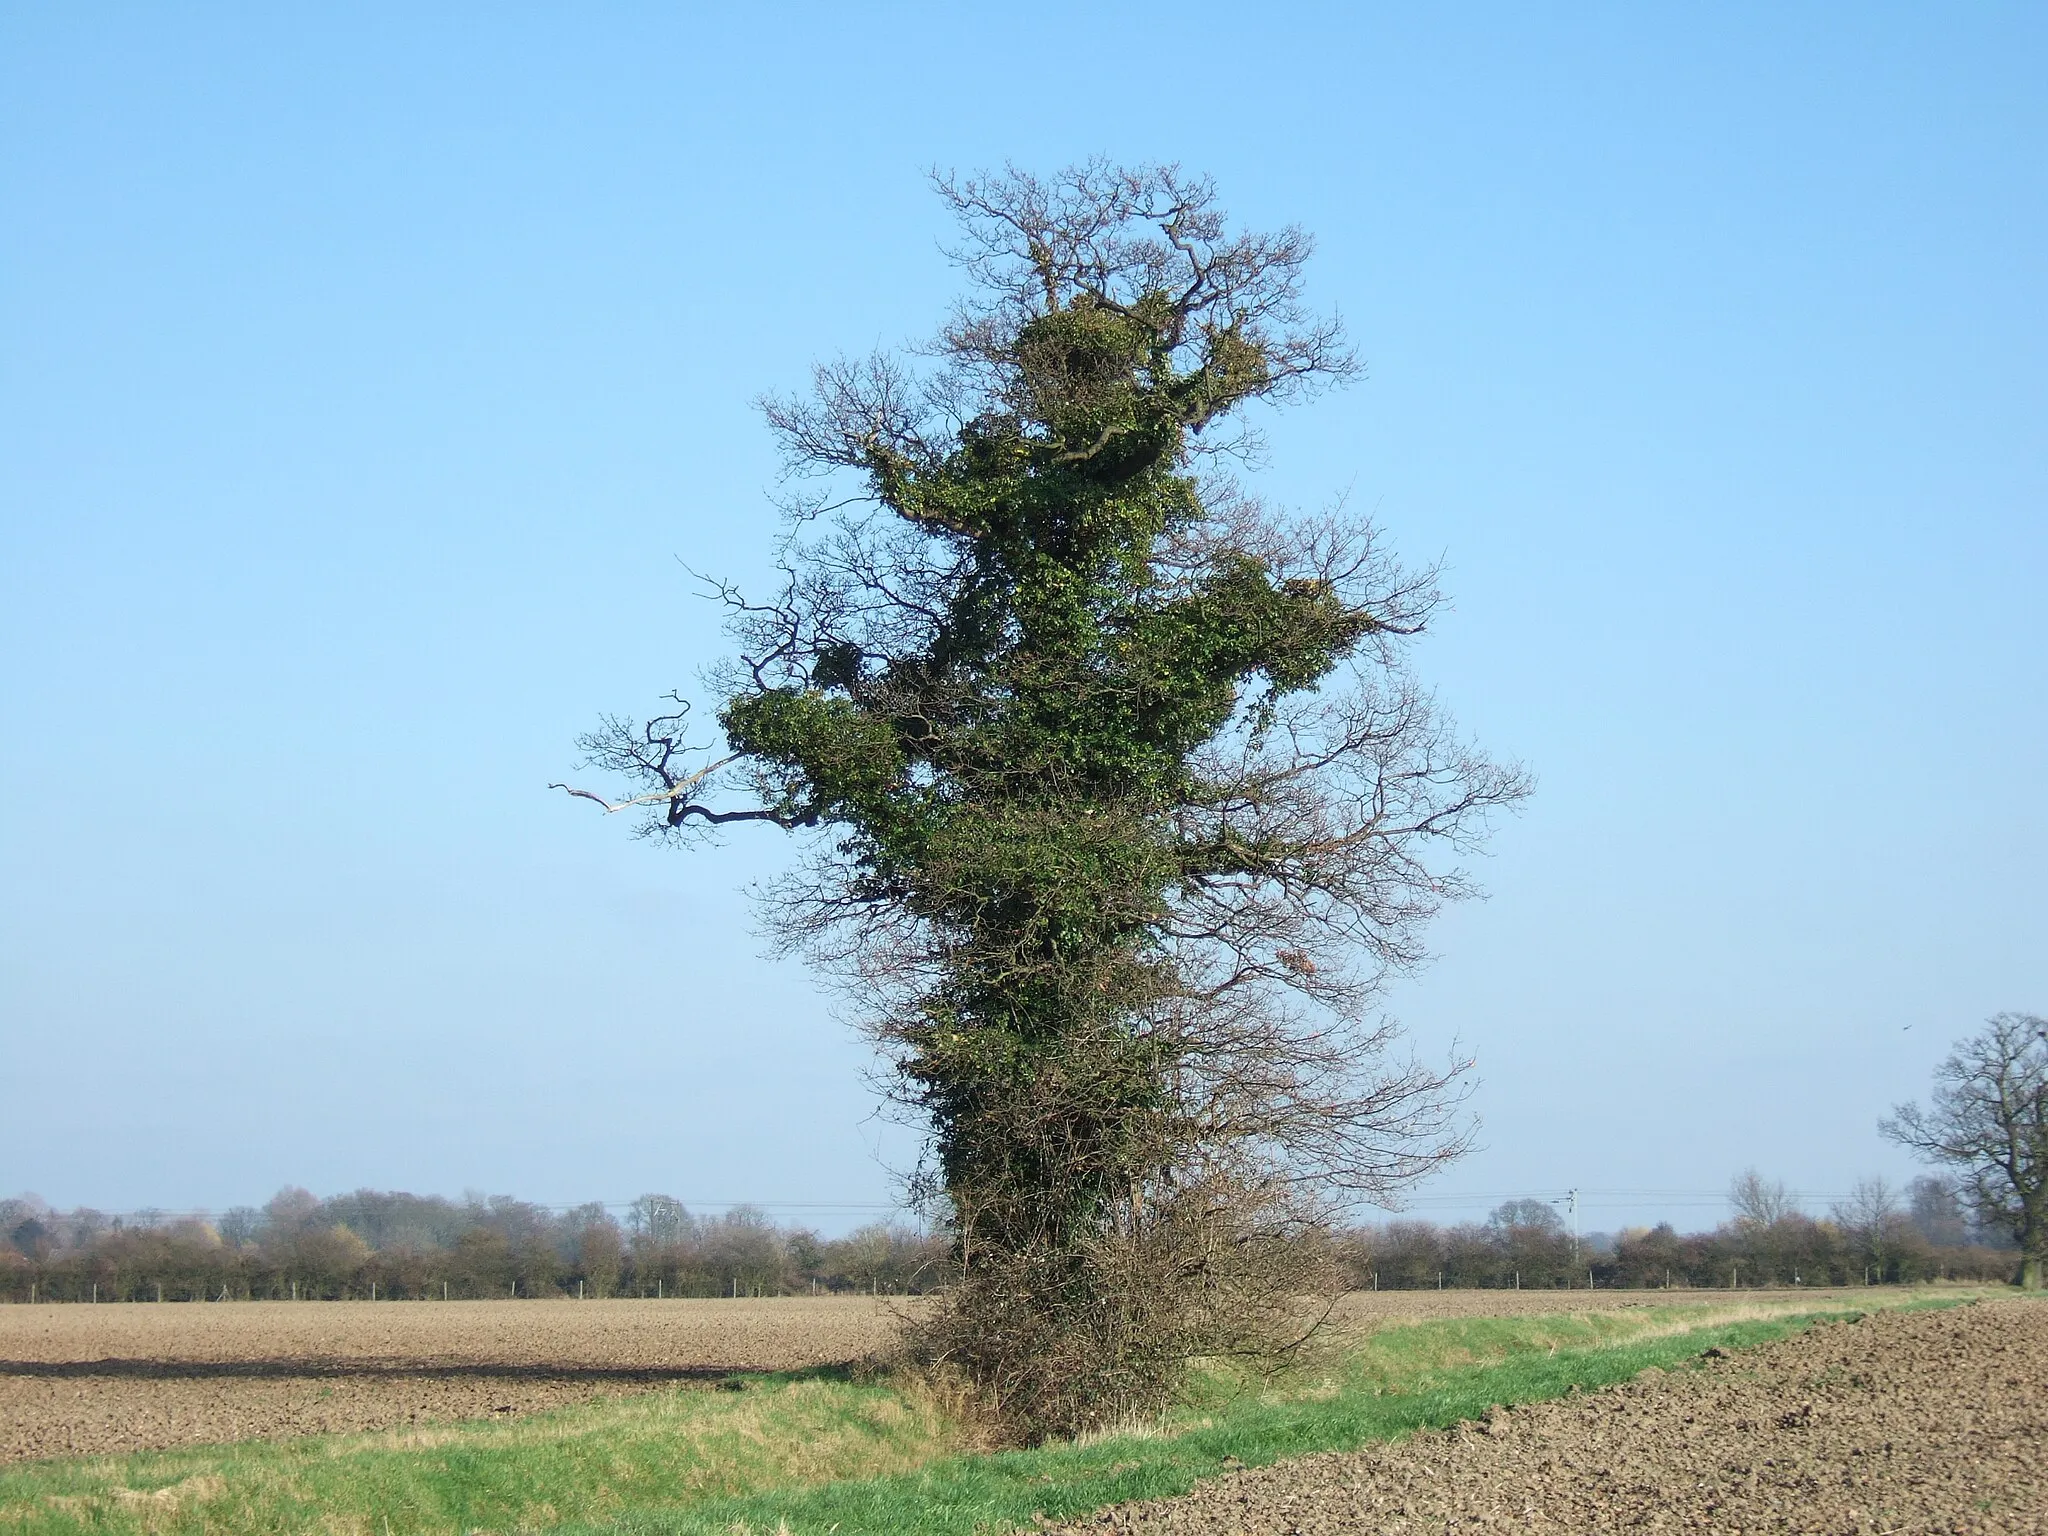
{"type": "Point", "coordinates": [364, 378]}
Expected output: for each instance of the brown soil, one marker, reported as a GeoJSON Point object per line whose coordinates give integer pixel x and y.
{"type": "Point", "coordinates": [1920, 1421]}
{"type": "Point", "coordinates": [86, 1380]}
{"type": "Point", "coordinates": [77, 1380]}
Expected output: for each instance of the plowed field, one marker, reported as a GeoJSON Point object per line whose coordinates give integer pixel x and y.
{"type": "Point", "coordinates": [77, 1380]}
{"type": "Point", "coordinates": [81, 1379]}
{"type": "Point", "coordinates": [1904, 1421]}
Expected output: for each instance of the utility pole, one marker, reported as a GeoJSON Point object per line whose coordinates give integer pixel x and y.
{"type": "Point", "coordinates": [1570, 1201]}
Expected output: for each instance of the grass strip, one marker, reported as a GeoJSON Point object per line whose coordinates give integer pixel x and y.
{"type": "Point", "coordinates": [817, 1452]}
{"type": "Point", "coordinates": [585, 1461]}
{"type": "Point", "coordinates": [957, 1496]}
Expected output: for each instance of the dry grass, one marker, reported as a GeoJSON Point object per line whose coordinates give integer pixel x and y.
{"type": "Point", "coordinates": [1370, 1309]}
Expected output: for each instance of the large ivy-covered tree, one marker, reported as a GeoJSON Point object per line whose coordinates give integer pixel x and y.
{"type": "Point", "coordinates": [1121, 802]}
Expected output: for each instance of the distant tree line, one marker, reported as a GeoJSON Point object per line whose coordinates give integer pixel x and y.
{"type": "Point", "coordinates": [402, 1246]}
{"type": "Point", "coordinates": [1878, 1236]}
{"type": "Point", "coordinates": [410, 1247]}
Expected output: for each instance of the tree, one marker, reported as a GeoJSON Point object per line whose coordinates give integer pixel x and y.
{"type": "Point", "coordinates": [744, 1250]}
{"type": "Point", "coordinates": [1873, 1220]}
{"type": "Point", "coordinates": [1408, 1255]}
{"type": "Point", "coordinates": [240, 1225]}
{"type": "Point", "coordinates": [1988, 1120]}
{"type": "Point", "coordinates": [1759, 1202]}
{"type": "Point", "coordinates": [1765, 1226]}
{"type": "Point", "coordinates": [1120, 801]}
{"type": "Point", "coordinates": [1532, 1241]}
{"type": "Point", "coordinates": [1937, 1211]}
{"type": "Point", "coordinates": [32, 1238]}
{"type": "Point", "coordinates": [658, 1221]}
{"type": "Point", "coordinates": [1538, 1216]}
{"type": "Point", "coordinates": [600, 1254]}
{"type": "Point", "coordinates": [291, 1209]}
{"type": "Point", "coordinates": [864, 1254]}
{"type": "Point", "coordinates": [1656, 1256]}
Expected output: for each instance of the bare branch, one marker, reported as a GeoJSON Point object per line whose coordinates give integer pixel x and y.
{"type": "Point", "coordinates": [679, 790]}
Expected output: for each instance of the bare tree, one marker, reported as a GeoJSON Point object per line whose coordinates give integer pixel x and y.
{"type": "Point", "coordinates": [1760, 1202]}
{"type": "Point", "coordinates": [1532, 1241]}
{"type": "Point", "coordinates": [1938, 1214]}
{"type": "Point", "coordinates": [1873, 1218]}
{"type": "Point", "coordinates": [659, 1220]}
{"type": "Point", "coordinates": [1988, 1120]}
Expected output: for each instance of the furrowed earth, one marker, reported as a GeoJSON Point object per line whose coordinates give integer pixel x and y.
{"type": "Point", "coordinates": [1905, 1420]}
{"type": "Point", "coordinates": [86, 1380]}
{"type": "Point", "coordinates": [89, 1380]}
{"type": "Point", "coordinates": [1926, 1421]}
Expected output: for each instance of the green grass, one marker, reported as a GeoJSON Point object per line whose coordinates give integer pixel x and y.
{"type": "Point", "coordinates": [818, 1452]}
{"type": "Point", "coordinates": [1403, 1383]}
{"type": "Point", "coordinates": [585, 1462]}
